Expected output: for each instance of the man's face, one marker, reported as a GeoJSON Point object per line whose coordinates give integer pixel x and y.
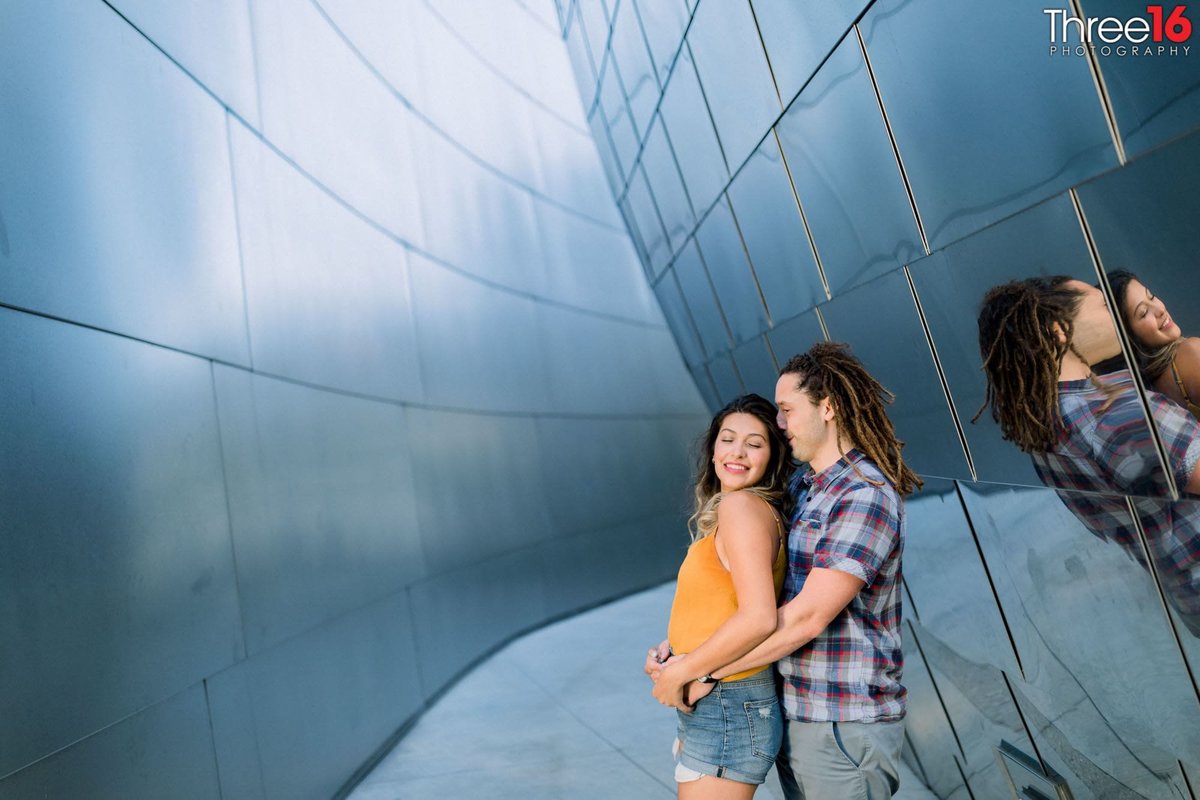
{"type": "Point", "coordinates": [1095, 334]}
{"type": "Point", "coordinates": [805, 423]}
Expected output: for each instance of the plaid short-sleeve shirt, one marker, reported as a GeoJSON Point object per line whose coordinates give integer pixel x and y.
{"type": "Point", "coordinates": [1106, 453]}
{"type": "Point", "coordinates": [851, 672]}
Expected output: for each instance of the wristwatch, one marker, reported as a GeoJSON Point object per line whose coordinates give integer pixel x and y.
{"type": "Point", "coordinates": [707, 679]}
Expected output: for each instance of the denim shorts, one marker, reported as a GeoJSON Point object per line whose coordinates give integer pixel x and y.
{"type": "Point", "coordinates": [735, 732]}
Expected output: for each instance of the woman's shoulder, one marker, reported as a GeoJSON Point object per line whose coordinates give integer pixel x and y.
{"type": "Point", "coordinates": [743, 503]}
{"type": "Point", "coordinates": [1188, 353]}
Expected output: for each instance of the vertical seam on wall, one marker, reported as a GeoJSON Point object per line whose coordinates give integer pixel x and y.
{"type": "Point", "coordinates": [1162, 597]}
{"type": "Point", "coordinates": [711, 288]}
{"type": "Point", "coordinates": [963, 775]}
{"type": "Point", "coordinates": [987, 572]}
{"type": "Point", "coordinates": [1186, 782]}
{"type": "Point", "coordinates": [1110, 115]}
{"type": "Point", "coordinates": [821, 322]}
{"type": "Point", "coordinates": [687, 310]}
{"type": "Point", "coordinates": [708, 111]}
{"type": "Point", "coordinates": [936, 690]}
{"type": "Point", "coordinates": [771, 351]}
{"type": "Point", "coordinates": [237, 229]}
{"type": "Point", "coordinates": [1025, 723]}
{"type": "Point", "coordinates": [887, 124]}
{"type": "Point", "coordinates": [237, 581]}
{"type": "Point", "coordinates": [766, 54]}
{"type": "Point", "coordinates": [737, 373]}
{"type": "Point", "coordinates": [937, 365]}
{"type": "Point", "coordinates": [212, 736]}
{"type": "Point", "coordinates": [762, 298]}
{"type": "Point", "coordinates": [1126, 346]}
{"type": "Point", "coordinates": [254, 58]}
{"type": "Point", "coordinates": [812, 243]}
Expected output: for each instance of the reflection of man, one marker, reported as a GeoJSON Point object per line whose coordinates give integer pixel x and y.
{"type": "Point", "coordinates": [1087, 435]}
{"type": "Point", "coordinates": [838, 637]}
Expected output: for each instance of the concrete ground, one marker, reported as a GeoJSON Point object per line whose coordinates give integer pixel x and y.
{"type": "Point", "coordinates": [564, 712]}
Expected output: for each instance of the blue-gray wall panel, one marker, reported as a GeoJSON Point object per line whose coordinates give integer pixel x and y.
{"type": "Point", "coordinates": [321, 501]}
{"type": "Point", "coordinates": [670, 299]}
{"type": "Point", "coordinates": [795, 336]}
{"type": "Point", "coordinates": [116, 572]}
{"type": "Point", "coordinates": [895, 350]}
{"type": "Point", "coordinates": [213, 41]}
{"type": "Point", "coordinates": [115, 185]}
{"type": "Point", "coordinates": [634, 65]}
{"type": "Point", "coordinates": [799, 34]}
{"type": "Point", "coordinates": [235, 735]}
{"type": "Point", "coordinates": [1013, 127]}
{"type": "Point", "coordinates": [478, 494]}
{"type": "Point", "coordinates": [164, 751]}
{"type": "Point", "coordinates": [691, 130]}
{"type": "Point", "coordinates": [755, 365]}
{"type": "Point", "coordinates": [927, 728]}
{"type": "Point", "coordinates": [663, 22]}
{"type": "Point", "coordinates": [735, 75]}
{"type": "Point", "coordinates": [323, 702]}
{"type": "Point", "coordinates": [665, 182]}
{"type": "Point", "coordinates": [846, 174]}
{"type": "Point", "coordinates": [769, 218]}
{"type": "Point", "coordinates": [701, 300]}
{"type": "Point", "coordinates": [327, 295]}
{"type": "Point", "coordinates": [732, 276]}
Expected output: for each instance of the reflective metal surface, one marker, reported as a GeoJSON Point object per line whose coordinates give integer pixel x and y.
{"type": "Point", "coordinates": [798, 36]}
{"type": "Point", "coordinates": [692, 134]}
{"type": "Point", "coordinates": [732, 276]}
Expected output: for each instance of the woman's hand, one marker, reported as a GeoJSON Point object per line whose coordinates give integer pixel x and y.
{"type": "Point", "coordinates": [656, 657]}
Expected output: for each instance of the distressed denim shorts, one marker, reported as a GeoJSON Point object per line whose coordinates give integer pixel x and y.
{"type": "Point", "coordinates": [735, 732]}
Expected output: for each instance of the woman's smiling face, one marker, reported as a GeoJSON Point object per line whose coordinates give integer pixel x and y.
{"type": "Point", "coordinates": [1149, 323]}
{"type": "Point", "coordinates": [741, 452]}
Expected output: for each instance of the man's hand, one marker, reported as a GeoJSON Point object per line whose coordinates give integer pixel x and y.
{"type": "Point", "coordinates": [695, 692]}
{"type": "Point", "coordinates": [656, 657]}
{"type": "Point", "coordinates": [670, 684]}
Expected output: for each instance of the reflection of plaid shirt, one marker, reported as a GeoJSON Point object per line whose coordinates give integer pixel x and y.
{"type": "Point", "coordinates": [851, 672]}
{"type": "Point", "coordinates": [1108, 449]}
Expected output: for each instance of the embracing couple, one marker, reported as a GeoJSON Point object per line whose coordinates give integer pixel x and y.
{"type": "Point", "coordinates": [800, 571]}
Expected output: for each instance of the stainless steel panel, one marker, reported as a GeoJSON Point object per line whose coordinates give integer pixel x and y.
{"type": "Point", "coordinates": [1043, 240]}
{"type": "Point", "coordinates": [769, 219]}
{"type": "Point", "coordinates": [582, 65]}
{"type": "Point", "coordinates": [463, 614]}
{"type": "Point", "coordinates": [503, 229]}
{"type": "Point", "coordinates": [701, 301]}
{"type": "Point", "coordinates": [692, 134]}
{"type": "Point", "coordinates": [1155, 99]}
{"type": "Point", "coordinates": [894, 349]}
{"type": "Point", "coordinates": [706, 387]}
{"type": "Point", "coordinates": [649, 221]}
{"type": "Point", "coordinates": [663, 22]}
{"type": "Point", "coordinates": [756, 367]}
{"type": "Point", "coordinates": [1075, 600]}
{"type": "Point", "coordinates": [607, 563]}
{"type": "Point", "coordinates": [234, 735]}
{"type": "Point", "coordinates": [665, 182]}
{"type": "Point", "coordinates": [735, 75]}
{"type": "Point", "coordinates": [675, 310]}
{"type": "Point", "coordinates": [618, 118]}
{"type": "Point", "coordinates": [725, 378]}
{"type": "Point", "coordinates": [479, 346]}
{"type": "Point", "coordinates": [116, 203]}
{"type": "Point", "coordinates": [634, 65]}
{"type": "Point", "coordinates": [732, 276]}
{"type": "Point", "coordinates": [324, 108]}
{"type": "Point", "coordinates": [116, 571]}
{"type": "Point", "coordinates": [475, 497]}
{"type": "Point", "coordinates": [321, 500]}
{"type": "Point", "coordinates": [799, 34]}
{"type": "Point", "coordinates": [163, 751]}
{"type": "Point", "coordinates": [327, 699]}
{"type": "Point", "coordinates": [213, 41]}
{"type": "Point", "coordinates": [794, 336]}
{"type": "Point", "coordinates": [846, 174]}
{"type": "Point", "coordinates": [596, 453]}
{"type": "Point", "coordinates": [328, 295]}
{"type": "Point", "coordinates": [603, 367]}
{"type": "Point", "coordinates": [387, 35]}
{"type": "Point", "coordinates": [928, 729]}
{"type": "Point", "coordinates": [948, 106]}
{"type": "Point", "coordinates": [948, 580]}
{"type": "Point", "coordinates": [981, 709]}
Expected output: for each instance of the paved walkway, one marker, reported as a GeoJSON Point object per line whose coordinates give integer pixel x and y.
{"type": "Point", "coordinates": [564, 712]}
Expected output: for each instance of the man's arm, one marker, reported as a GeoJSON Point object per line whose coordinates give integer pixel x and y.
{"type": "Point", "coordinates": [825, 594]}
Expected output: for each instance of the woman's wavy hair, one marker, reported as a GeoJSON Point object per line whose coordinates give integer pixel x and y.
{"type": "Point", "coordinates": [774, 484]}
{"type": "Point", "coordinates": [1151, 361]}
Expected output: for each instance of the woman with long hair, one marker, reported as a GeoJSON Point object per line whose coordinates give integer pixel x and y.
{"type": "Point", "coordinates": [725, 603]}
{"type": "Point", "coordinates": [1168, 361]}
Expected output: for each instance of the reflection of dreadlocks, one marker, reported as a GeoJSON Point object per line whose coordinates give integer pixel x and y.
{"type": "Point", "coordinates": [1019, 337]}
{"type": "Point", "coordinates": [828, 370]}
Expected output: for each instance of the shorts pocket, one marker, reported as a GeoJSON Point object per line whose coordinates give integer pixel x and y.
{"type": "Point", "coordinates": [766, 727]}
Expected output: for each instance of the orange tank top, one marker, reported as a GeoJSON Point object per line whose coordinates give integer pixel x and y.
{"type": "Point", "coordinates": [705, 597]}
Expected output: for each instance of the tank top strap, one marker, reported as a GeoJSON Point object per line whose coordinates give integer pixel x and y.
{"type": "Point", "coordinates": [1191, 405]}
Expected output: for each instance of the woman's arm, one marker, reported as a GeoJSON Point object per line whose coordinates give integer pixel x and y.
{"type": "Point", "coordinates": [1187, 362]}
{"type": "Point", "coordinates": [748, 532]}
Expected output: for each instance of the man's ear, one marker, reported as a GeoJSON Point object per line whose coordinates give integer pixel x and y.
{"type": "Point", "coordinates": [828, 412]}
{"type": "Point", "coordinates": [1059, 334]}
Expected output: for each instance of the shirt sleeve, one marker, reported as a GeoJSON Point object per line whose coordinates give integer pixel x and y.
{"type": "Point", "coordinates": [1124, 450]}
{"type": "Point", "coordinates": [861, 531]}
{"type": "Point", "coordinates": [1180, 433]}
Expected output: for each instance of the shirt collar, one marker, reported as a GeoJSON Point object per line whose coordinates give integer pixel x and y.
{"type": "Point", "coordinates": [821, 480]}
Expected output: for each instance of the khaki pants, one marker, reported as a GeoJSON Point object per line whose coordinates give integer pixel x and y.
{"type": "Point", "coordinates": [840, 760]}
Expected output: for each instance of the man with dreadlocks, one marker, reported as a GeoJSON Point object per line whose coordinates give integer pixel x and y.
{"type": "Point", "coordinates": [1087, 434]}
{"type": "Point", "coordinates": [837, 640]}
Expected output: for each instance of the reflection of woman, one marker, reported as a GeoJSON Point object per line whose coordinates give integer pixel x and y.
{"type": "Point", "coordinates": [1169, 361]}
{"type": "Point", "coordinates": [725, 604]}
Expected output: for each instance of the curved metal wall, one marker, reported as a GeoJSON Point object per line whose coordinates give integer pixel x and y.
{"type": "Point", "coordinates": [864, 171]}
{"type": "Point", "coordinates": [328, 366]}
